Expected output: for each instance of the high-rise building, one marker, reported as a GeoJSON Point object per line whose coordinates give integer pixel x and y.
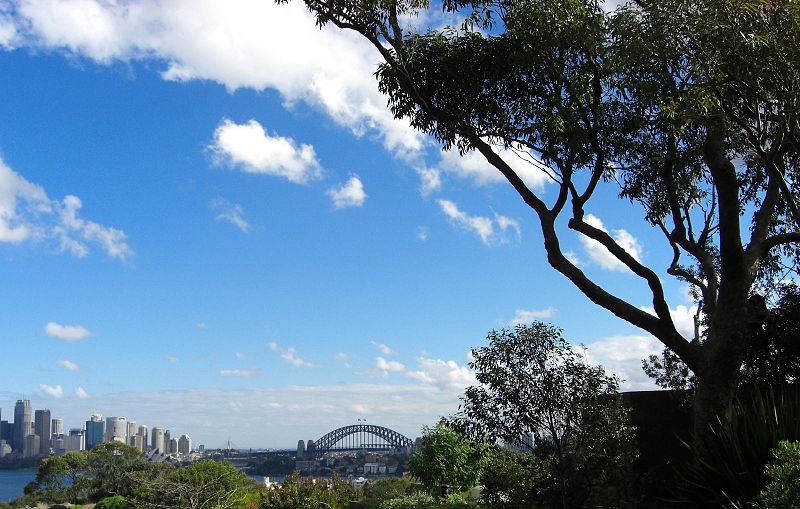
{"type": "Point", "coordinates": [117, 429]}
{"type": "Point", "coordinates": [95, 431]}
{"type": "Point", "coordinates": [157, 440]}
{"type": "Point", "coordinates": [22, 424]}
{"type": "Point", "coordinates": [30, 447]}
{"type": "Point", "coordinates": [173, 445]}
{"type": "Point", "coordinates": [41, 428]}
{"type": "Point", "coordinates": [77, 440]}
{"type": "Point", "coordinates": [7, 432]}
{"type": "Point", "coordinates": [130, 432]}
{"type": "Point", "coordinates": [143, 433]}
{"type": "Point", "coordinates": [167, 439]}
{"type": "Point", "coordinates": [57, 427]}
{"type": "Point", "coordinates": [184, 444]}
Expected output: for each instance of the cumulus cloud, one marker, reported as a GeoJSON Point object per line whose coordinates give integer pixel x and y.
{"type": "Point", "coordinates": [81, 393]}
{"type": "Point", "coordinates": [172, 359]}
{"type": "Point", "coordinates": [67, 364]}
{"type": "Point", "coordinates": [27, 213]}
{"type": "Point", "coordinates": [422, 233]}
{"type": "Point", "coordinates": [349, 194]}
{"type": "Point", "coordinates": [52, 391]}
{"type": "Point", "coordinates": [341, 356]}
{"type": "Point", "coordinates": [238, 373]}
{"type": "Point", "coordinates": [430, 179]}
{"type": "Point", "coordinates": [682, 317]}
{"type": "Point", "coordinates": [231, 213]}
{"type": "Point", "coordinates": [489, 230]}
{"type": "Point", "coordinates": [600, 255]}
{"type": "Point", "coordinates": [68, 333]}
{"type": "Point", "coordinates": [444, 375]}
{"type": "Point", "coordinates": [289, 355]}
{"type": "Point", "coordinates": [622, 355]}
{"type": "Point", "coordinates": [523, 316]}
{"type": "Point", "coordinates": [384, 349]}
{"type": "Point", "coordinates": [237, 43]}
{"type": "Point", "coordinates": [251, 149]}
{"type": "Point", "coordinates": [474, 167]}
{"type": "Point", "coordinates": [385, 367]}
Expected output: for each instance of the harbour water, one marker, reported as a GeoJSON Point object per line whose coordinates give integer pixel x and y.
{"type": "Point", "coordinates": [12, 482]}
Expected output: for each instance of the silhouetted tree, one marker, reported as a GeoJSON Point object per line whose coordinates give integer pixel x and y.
{"type": "Point", "coordinates": [689, 109]}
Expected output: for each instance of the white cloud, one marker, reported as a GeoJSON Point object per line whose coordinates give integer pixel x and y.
{"type": "Point", "coordinates": [69, 365]}
{"type": "Point", "coordinates": [52, 391]}
{"type": "Point", "coordinates": [8, 32]}
{"type": "Point", "coordinates": [240, 356]}
{"type": "Point", "coordinates": [171, 358]}
{"type": "Point", "coordinates": [385, 367]}
{"type": "Point", "coordinates": [487, 229]}
{"type": "Point", "coordinates": [68, 333]}
{"type": "Point", "coordinates": [250, 148]}
{"type": "Point", "coordinates": [682, 317]}
{"type": "Point", "coordinates": [523, 316]}
{"type": "Point", "coordinates": [289, 355]}
{"type": "Point", "coordinates": [81, 393]}
{"type": "Point", "coordinates": [600, 255]}
{"type": "Point", "coordinates": [430, 179]}
{"type": "Point", "coordinates": [349, 194]}
{"type": "Point", "coordinates": [473, 166]}
{"type": "Point", "coordinates": [341, 356]}
{"type": "Point", "coordinates": [27, 213]}
{"type": "Point", "coordinates": [423, 233]}
{"type": "Point", "coordinates": [384, 349]}
{"type": "Point", "coordinates": [239, 373]}
{"type": "Point", "coordinates": [622, 355]}
{"type": "Point", "coordinates": [201, 325]}
{"type": "Point", "coordinates": [237, 43]}
{"type": "Point", "coordinates": [231, 213]}
{"type": "Point", "coordinates": [445, 375]}
{"type": "Point", "coordinates": [113, 241]}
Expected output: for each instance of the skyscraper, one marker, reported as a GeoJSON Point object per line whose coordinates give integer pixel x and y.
{"type": "Point", "coordinates": [41, 428]}
{"type": "Point", "coordinates": [22, 424]}
{"type": "Point", "coordinates": [94, 431]}
{"type": "Point", "coordinates": [143, 433]}
{"type": "Point", "coordinates": [157, 440]}
{"type": "Point", "coordinates": [131, 432]}
{"type": "Point", "coordinates": [117, 429]}
{"type": "Point", "coordinates": [57, 427]}
{"type": "Point", "coordinates": [184, 444]}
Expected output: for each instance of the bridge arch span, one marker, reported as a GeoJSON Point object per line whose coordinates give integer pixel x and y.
{"type": "Point", "coordinates": [361, 436]}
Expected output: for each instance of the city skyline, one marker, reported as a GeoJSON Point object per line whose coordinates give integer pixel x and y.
{"type": "Point", "coordinates": [226, 227]}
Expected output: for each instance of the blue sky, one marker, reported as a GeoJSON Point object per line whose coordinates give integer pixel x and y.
{"type": "Point", "coordinates": [209, 221]}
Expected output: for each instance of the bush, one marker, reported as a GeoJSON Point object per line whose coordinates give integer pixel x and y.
{"type": "Point", "coordinates": [732, 470]}
{"type": "Point", "coordinates": [115, 502]}
{"type": "Point", "coordinates": [783, 491]}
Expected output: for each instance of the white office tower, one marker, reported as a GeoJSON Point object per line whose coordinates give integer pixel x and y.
{"type": "Point", "coordinates": [130, 432]}
{"type": "Point", "coordinates": [57, 427]}
{"type": "Point", "coordinates": [137, 442]}
{"type": "Point", "coordinates": [77, 439]}
{"type": "Point", "coordinates": [184, 444]}
{"type": "Point", "coordinates": [60, 444]}
{"type": "Point", "coordinates": [143, 433]}
{"type": "Point", "coordinates": [157, 440]}
{"type": "Point", "coordinates": [116, 429]}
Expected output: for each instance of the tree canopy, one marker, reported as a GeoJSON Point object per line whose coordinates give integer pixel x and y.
{"type": "Point", "coordinates": [688, 109]}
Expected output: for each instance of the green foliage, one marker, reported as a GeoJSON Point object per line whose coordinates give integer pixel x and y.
{"type": "Point", "coordinates": [447, 457]}
{"type": "Point", "coordinates": [384, 489]}
{"type": "Point", "coordinates": [201, 484]}
{"type": "Point", "coordinates": [537, 393]}
{"type": "Point", "coordinates": [783, 490]}
{"type": "Point", "coordinates": [297, 493]}
{"type": "Point", "coordinates": [115, 502]}
{"type": "Point", "coordinates": [513, 480]}
{"type": "Point", "coordinates": [427, 501]}
{"type": "Point", "coordinates": [732, 471]}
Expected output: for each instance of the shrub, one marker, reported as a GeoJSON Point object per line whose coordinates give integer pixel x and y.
{"type": "Point", "coordinates": [783, 491]}
{"type": "Point", "coordinates": [115, 502]}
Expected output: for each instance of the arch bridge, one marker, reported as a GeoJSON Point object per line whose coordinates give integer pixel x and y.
{"type": "Point", "coordinates": [360, 436]}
